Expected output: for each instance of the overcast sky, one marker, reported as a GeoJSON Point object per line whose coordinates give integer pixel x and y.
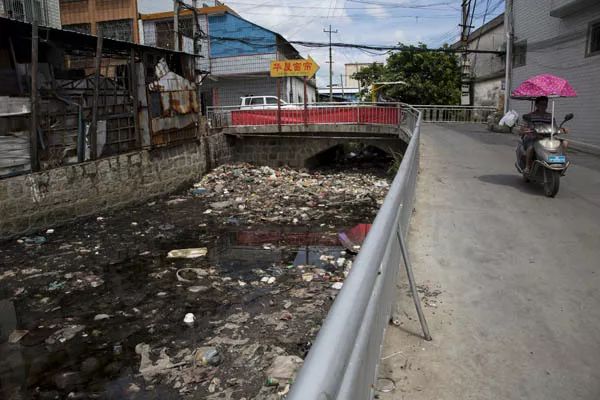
{"type": "Point", "coordinates": [374, 22]}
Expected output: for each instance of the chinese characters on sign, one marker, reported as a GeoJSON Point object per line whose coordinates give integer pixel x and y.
{"type": "Point", "coordinates": [300, 67]}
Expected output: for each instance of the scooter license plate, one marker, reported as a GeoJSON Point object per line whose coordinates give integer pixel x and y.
{"type": "Point", "coordinates": [557, 159]}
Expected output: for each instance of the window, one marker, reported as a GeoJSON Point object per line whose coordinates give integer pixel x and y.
{"type": "Point", "coordinates": [255, 101]}
{"type": "Point", "coordinates": [593, 47]}
{"type": "Point", "coordinates": [164, 34]}
{"type": "Point", "coordinates": [81, 28]}
{"type": "Point", "coordinates": [271, 100]}
{"type": "Point", "coordinates": [120, 29]}
{"type": "Point", "coordinates": [520, 54]}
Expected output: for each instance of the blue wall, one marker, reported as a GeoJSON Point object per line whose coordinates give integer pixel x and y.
{"type": "Point", "coordinates": [259, 40]}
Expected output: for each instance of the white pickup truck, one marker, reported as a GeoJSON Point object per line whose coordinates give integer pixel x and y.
{"type": "Point", "coordinates": [262, 103]}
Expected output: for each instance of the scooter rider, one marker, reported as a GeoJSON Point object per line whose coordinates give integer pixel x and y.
{"type": "Point", "coordinates": [528, 135]}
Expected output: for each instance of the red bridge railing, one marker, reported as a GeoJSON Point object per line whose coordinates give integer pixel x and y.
{"type": "Point", "coordinates": [311, 114]}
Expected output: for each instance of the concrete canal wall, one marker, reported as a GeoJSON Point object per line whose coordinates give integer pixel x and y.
{"type": "Point", "coordinates": [41, 200]}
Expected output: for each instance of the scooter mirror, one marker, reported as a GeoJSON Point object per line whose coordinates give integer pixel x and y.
{"type": "Point", "coordinates": [569, 117]}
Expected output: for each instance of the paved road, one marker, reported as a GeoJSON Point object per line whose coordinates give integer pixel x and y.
{"type": "Point", "coordinates": [518, 316]}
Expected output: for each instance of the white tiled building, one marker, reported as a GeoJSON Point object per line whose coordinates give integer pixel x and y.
{"type": "Point", "coordinates": [561, 37]}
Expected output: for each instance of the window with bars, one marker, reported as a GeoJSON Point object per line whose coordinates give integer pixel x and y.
{"type": "Point", "coordinates": [164, 31]}
{"type": "Point", "coordinates": [120, 29]}
{"type": "Point", "coordinates": [593, 47]}
{"type": "Point", "coordinates": [25, 10]}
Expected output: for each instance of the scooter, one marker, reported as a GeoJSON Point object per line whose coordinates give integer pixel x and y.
{"type": "Point", "coordinates": [549, 159]}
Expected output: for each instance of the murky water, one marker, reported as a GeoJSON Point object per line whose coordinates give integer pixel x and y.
{"type": "Point", "coordinates": [77, 309]}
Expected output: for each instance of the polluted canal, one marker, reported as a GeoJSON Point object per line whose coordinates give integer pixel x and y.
{"type": "Point", "coordinates": [215, 292]}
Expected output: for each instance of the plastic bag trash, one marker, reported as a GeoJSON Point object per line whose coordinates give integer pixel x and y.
{"type": "Point", "coordinates": [509, 119]}
{"type": "Point", "coordinates": [16, 335]}
{"type": "Point", "coordinates": [188, 253]}
{"type": "Point", "coordinates": [208, 356]}
{"type": "Point", "coordinates": [55, 285]}
{"type": "Point", "coordinates": [337, 285]}
{"type": "Point", "coordinates": [283, 369]}
{"type": "Point", "coordinates": [220, 205]}
{"type": "Point", "coordinates": [100, 317]}
{"type": "Point", "coordinates": [190, 274]}
{"type": "Point", "coordinates": [199, 191]}
{"type": "Point", "coordinates": [268, 279]}
{"type": "Point", "coordinates": [34, 240]}
{"type": "Point", "coordinates": [189, 319]}
{"type": "Point", "coordinates": [197, 289]}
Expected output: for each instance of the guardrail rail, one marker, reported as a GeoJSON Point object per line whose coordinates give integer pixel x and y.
{"type": "Point", "coordinates": [343, 361]}
{"type": "Point", "coordinates": [455, 114]}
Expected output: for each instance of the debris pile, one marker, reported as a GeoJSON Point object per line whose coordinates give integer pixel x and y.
{"type": "Point", "coordinates": [241, 193]}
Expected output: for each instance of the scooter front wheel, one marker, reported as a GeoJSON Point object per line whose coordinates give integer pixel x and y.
{"type": "Point", "coordinates": [551, 182]}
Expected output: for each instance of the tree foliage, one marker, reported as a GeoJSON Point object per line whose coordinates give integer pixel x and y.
{"type": "Point", "coordinates": [431, 77]}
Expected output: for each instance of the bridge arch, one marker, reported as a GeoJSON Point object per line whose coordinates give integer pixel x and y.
{"type": "Point", "coordinates": [301, 152]}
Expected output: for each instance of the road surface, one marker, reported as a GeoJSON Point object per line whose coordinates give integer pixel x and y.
{"type": "Point", "coordinates": [511, 278]}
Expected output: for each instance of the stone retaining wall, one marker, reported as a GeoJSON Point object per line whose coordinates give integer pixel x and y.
{"type": "Point", "coordinates": [49, 198]}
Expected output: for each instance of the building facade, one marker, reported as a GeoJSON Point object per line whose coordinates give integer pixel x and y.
{"type": "Point", "coordinates": [561, 37]}
{"type": "Point", "coordinates": [487, 70]}
{"type": "Point", "coordinates": [115, 19]}
{"type": "Point", "coordinates": [235, 55]}
{"type": "Point", "coordinates": [46, 12]}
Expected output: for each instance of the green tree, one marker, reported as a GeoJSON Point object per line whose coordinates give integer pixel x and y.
{"type": "Point", "coordinates": [432, 77]}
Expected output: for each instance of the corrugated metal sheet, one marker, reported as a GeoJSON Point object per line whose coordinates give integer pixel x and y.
{"type": "Point", "coordinates": [177, 94]}
{"type": "Point", "coordinates": [242, 64]}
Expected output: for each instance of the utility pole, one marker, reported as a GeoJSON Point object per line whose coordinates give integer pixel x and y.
{"type": "Point", "coordinates": [464, 39]}
{"type": "Point", "coordinates": [176, 25]}
{"type": "Point", "coordinates": [330, 64]}
{"type": "Point", "coordinates": [508, 21]}
{"type": "Point", "coordinates": [33, 134]}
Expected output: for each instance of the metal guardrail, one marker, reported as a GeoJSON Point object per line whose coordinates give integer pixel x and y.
{"type": "Point", "coordinates": [455, 114]}
{"type": "Point", "coordinates": [314, 113]}
{"type": "Point", "coordinates": [343, 362]}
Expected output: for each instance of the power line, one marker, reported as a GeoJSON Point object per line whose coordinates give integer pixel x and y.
{"type": "Point", "coordinates": [259, 42]}
{"type": "Point", "coordinates": [379, 5]}
{"type": "Point", "coordinates": [395, 5]}
{"type": "Point", "coordinates": [354, 15]}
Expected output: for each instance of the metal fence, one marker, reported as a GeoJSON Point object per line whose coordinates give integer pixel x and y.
{"type": "Point", "coordinates": [313, 113]}
{"type": "Point", "coordinates": [455, 114]}
{"type": "Point", "coordinates": [343, 362]}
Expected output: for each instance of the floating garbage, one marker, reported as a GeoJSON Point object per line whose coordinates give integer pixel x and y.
{"type": "Point", "coordinates": [188, 253]}
{"type": "Point", "coordinates": [16, 335]}
{"type": "Point", "coordinates": [283, 370]}
{"type": "Point", "coordinates": [189, 319]}
{"type": "Point", "coordinates": [208, 356]}
{"type": "Point", "coordinates": [337, 285]}
{"type": "Point", "coordinates": [190, 274]}
{"type": "Point", "coordinates": [33, 240]}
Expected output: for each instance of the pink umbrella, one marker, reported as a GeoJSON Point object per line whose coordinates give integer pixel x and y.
{"type": "Point", "coordinates": [544, 85]}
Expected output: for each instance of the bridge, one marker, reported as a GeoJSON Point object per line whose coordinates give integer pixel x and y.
{"type": "Point", "coordinates": [509, 278]}
{"type": "Point", "coordinates": [297, 135]}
